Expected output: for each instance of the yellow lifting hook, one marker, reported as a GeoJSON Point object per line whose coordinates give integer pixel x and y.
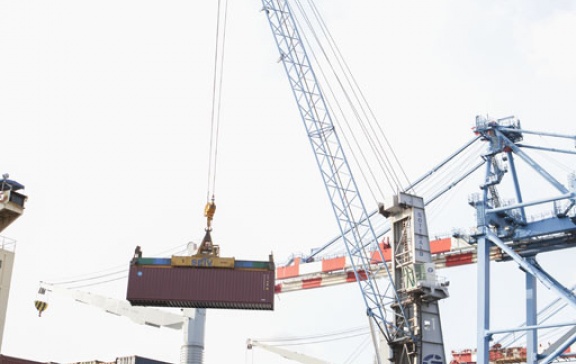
{"type": "Point", "coordinates": [209, 211]}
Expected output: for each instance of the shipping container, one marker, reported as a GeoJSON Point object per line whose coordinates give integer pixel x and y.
{"type": "Point", "coordinates": [248, 286]}
{"type": "Point", "coordinates": [11, 360]}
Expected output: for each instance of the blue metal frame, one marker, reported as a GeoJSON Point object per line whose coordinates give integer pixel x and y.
{"type": "Point", "coordinates": [349, 209]}
{"type": "Point", "coordinates": [521, 240]}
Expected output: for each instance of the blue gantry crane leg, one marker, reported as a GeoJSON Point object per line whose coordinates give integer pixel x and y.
{"type": "Point", "coordinates": [520, 239]}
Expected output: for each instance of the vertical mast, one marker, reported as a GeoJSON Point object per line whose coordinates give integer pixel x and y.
{"type": "Point", "coordinates": [419, 289]}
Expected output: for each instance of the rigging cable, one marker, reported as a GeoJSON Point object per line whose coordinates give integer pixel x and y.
{"type": "Point", "coordinates": [216, 97]}
{"type": "Point", "coordinates": [358, 106]}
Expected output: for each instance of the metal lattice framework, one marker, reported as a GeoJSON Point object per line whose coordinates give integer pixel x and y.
{"type": "Point", "coordinates": [506, 226]}
{"type": "Point", "coordinates": [347, 204]}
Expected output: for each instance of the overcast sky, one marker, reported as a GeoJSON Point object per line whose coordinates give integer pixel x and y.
{"type": "Point", "coordinates": [105, 114]}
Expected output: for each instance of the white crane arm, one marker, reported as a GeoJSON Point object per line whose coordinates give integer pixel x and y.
{"type": "Point", "coordinates": [140, 315]}
{"type": "Point", "coordinates": [291, 355]}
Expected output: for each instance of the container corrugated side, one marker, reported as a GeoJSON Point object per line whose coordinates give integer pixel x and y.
{"type": "Point", "coordinates": [249, 289]}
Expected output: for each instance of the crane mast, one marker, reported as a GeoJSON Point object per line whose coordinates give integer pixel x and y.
{"type": "Point", "coordinates": [384, 307]}
{"type": "Point", "coordinates": [418, 287]}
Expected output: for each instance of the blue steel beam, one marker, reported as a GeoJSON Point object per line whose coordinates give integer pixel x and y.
{"type": "Point", "coordinates": [520, 240]}
{"type": "Point", "coordinates": [349, 209]}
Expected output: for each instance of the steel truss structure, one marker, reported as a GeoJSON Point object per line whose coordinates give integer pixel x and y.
{"type": "Point", "coordinates": [507, 226]}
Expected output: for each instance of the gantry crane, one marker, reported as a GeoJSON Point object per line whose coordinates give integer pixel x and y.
{"type": "Point", "coordinates": [509, 227]}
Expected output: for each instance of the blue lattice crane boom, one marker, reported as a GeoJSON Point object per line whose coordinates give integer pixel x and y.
{"type": "Point", "coordinates": [349, 209]}
{"type": "Point", "coordinates": [395, 303]}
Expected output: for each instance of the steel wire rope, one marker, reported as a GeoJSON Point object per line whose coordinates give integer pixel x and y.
{"type": "Point", "coordinates": [334, 97]}
{"type": "Point", "coordinates": [313, 336]}
{"type": "Point", "coordinates": [292, 45]}
{"type": "Point", "coordinates": [359, 348]}
{"type": "Point", "coordinates": [363, 104]}
{"type": "Point", "coordinates": [431, 175]}
{"type": "Point", "coordinates": [221, 18]}
{"type": "Point", "coordinates": [354, 231]}
{"type": "Point", "coordinates": [560, 163]}
{"type": "Point", "coordinates": [378, 298]}
{"type": "Point", "coordinates": [325, 340]}
{"type": "Point", "coordinates": [100, 274]}
{"type": "Point", "coordinates": [546, 139]}
{"type": "Point", "coordinates": [458, 166]}
{"type": "Point", "coordinates": [555, 307]}
{"type": "Point", "coordinates": [96, 283]}
{"type": "Point", "coordinates": [315, 110]}
{"type": "Point", "coordinates": [315, 339]}
{"type": "Point", "coordinates": [455, 167]}
{"type": "Point", "coordinates": [388, 171]}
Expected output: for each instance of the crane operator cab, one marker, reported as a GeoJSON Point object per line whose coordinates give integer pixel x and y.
{"type": "Point", "coordinates": [11, 201]}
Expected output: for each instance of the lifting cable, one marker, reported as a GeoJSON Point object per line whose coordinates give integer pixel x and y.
{"type": "Point", "coordinates": [365, 124]}
{"type": "Point", "coordinates": [216, 107]}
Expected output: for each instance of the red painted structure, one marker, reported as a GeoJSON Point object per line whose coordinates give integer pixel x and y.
{"type": "Point", "coordinates": [446, 252]}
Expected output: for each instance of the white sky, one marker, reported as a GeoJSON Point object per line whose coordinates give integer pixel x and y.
{"type": "Point", "coordinates": [104, 115]}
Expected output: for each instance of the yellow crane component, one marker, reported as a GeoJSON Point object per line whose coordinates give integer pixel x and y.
{"type": "Point", "coordinates": [207, 247]}
{"type": "Point", "coordinates": [41, 306]}
{"type": "Point", "coordinates": [209, 211]}
{"type": "Point", "coordinates": [208, 253]}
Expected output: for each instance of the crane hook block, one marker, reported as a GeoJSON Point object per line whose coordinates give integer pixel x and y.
{"type": "Point", "coordinates": [209, 211]}
{"type": "Point", "coordinates": [41, 306]}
